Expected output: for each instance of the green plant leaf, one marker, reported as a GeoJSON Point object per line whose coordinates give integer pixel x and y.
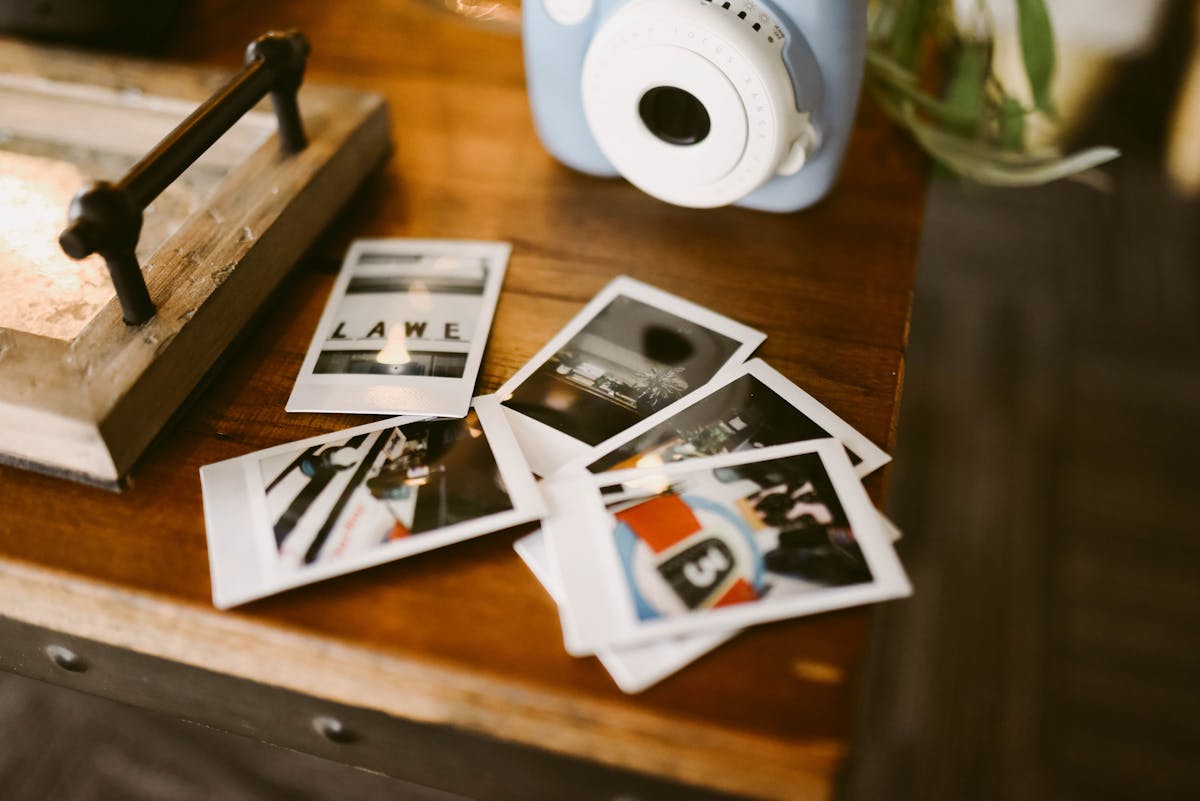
{"type": "Point", "coordinates": [912, 18]}
{"type": "Point", "coordinates": [974, 128]}
{"type": "Point", "coordinates": [1037, 50]}
{"type": "Point", "coordinates": [965, 91]}
{"type": "Point", "coordinates": [880, 64]}
{"type": "Point", "coordinates": [989, 164]}
{"type": "Point", "coordinates": [1012, 125]}
{"type": "Point", "coordinates": [888, 77]}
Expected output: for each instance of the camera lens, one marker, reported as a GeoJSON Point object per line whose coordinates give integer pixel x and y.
{"type": "Point", "coordinates": [674, 115]}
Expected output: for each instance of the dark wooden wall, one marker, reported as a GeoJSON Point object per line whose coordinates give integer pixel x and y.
{"type": "Point", "coordinates": [1046, 478]}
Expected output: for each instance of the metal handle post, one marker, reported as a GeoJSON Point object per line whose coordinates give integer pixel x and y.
{"type": "Point", "coordinates": [106, 218]}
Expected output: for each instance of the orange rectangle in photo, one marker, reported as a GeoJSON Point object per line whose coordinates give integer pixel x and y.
{"type": "Point", "coordinates": [661, 522]}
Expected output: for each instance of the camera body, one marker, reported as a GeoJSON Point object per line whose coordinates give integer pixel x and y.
{"type": "Point", "coordinates": [699, 103]}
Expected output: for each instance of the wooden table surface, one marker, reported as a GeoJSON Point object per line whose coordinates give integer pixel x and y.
{"type": "Point", "coordinates": [464, 636]}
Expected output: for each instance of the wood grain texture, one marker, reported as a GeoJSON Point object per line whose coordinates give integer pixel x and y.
{"type": "Point", "coordinates": [92, 405]}
{"type": "Point", "coordinates": [464, 636]}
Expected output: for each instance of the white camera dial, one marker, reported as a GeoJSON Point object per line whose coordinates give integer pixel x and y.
{"type": "Point", "coordinates": [691, 101]}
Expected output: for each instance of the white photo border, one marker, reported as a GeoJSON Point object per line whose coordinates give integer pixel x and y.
{"type": "Point", "coordinates": [243, 562]}
{"type": "Point", "coordinates": [439, 396]}
{"type": "Point", "coordinates": [633, 669]}
{"type": "Point", "coordinates": [638, 667]}
{"type": "Point", "coordinates": [549, 449]}
{"type": "Point", "coordinates": [871, 456]}
{"type": "Point", "coordinates": [598, 609]}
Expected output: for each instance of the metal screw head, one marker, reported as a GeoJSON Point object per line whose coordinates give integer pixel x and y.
{"type": "Point", "coordinates": [333, 730]}
{"type": "Point", "coordinates": [66, 659]}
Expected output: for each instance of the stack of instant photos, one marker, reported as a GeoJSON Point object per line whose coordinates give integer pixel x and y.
{"type": "Point", "coordinates": [686, 492]}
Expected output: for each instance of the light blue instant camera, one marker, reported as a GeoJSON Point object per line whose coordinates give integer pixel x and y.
{"type": "Point", "coordinates": [699, 102]}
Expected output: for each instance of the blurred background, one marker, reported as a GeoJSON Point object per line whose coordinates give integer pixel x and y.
{"type": "Point", "coordinates": [1045, 474]}
{"type": "Point", "coordinates": [1045, 471]}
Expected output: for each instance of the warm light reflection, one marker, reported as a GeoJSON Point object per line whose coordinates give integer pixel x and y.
{"type": "Point", "coordinates": [474, 427]}
{"type": "Point", "coordinates": [419, 297]}
{"type": "Point", "coordinates": [45, 291]}
{"type": "Point", "coordinates": [500, 14]}
{"type": "Point", "coordinates": [560, 400]}
{"type": "Point", "coordinates": [396, 349]}
{"type": "Point", "coordinates": [650, 460]}
{"type": "Point", "coordinates": [651, 485]}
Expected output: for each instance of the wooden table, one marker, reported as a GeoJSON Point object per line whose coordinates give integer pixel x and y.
{"type": "Point", "coordinates": [448, 669]}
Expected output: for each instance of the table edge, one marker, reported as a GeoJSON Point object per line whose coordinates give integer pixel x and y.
{"type": "Point", "coordinates": [240, 646]}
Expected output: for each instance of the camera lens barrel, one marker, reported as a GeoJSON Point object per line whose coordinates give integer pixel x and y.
{"type": "Point", "coordinates": [692, 102]}
{"type": "Point", "coordinates": [674, 115]}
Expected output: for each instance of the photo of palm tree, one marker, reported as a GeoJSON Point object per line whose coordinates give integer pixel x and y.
{"type": "Point", "coordinates": [630, 360]}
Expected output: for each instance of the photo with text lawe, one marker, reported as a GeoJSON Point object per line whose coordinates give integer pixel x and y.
{"type": "Point", "coordinates": [405, 315]}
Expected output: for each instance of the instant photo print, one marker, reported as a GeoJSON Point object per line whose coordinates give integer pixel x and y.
{"type": "Point", "coordinates": [631, 352]}
{"type": "Point", "coordinates": [309, 510]}
{"type": "Point", "coordinates": [751, 406]}
{"type": "Point", "coordinates": [715, 543]}
{"type": "Point", "coordinates": [404, 329]}
{"type": "Point", "coordinates": [638, 667]}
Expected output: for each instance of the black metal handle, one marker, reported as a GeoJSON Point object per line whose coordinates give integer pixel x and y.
{"type": "Point", "coordinates": [106, 218]}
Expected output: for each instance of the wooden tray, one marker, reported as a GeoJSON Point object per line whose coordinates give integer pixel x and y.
{"type": "Point", "coordinates": [81, 393]}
